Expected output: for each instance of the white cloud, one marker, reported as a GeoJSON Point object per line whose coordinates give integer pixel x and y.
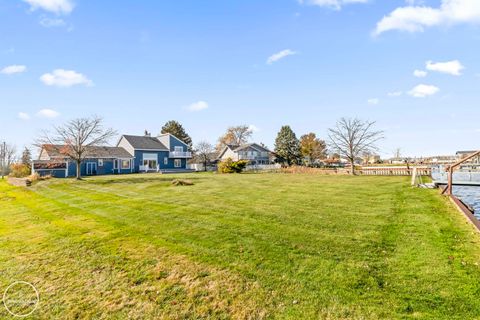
{"type": "Point", "coordinates": [450, 67]}
{"type": "Point", "coordinates": [65, 78]}
{"type": "Point", "coordinates": [417, 18]}
{"type": "Point", "coordinates": [50, 23]}
{"type": "Point", "coordinates": [280, 55]}
{"type": "Point", "coordinates": [420, 73]}
{"type": "Point", "coordinates": [395, 94]}
{"type": "Point", "coordinates": [253, 128]}
{"type": "Point", "coordinates": [55, 6]}
{"type": "Point", "coordinates": [333, 4]}
{"type": "Point", "coordinates": [197, 106]}
{"type": "Point", "coordinates": [47, 113]}
{"type": "Point", "coordinates": [23, 116]}
{"type": "Point", "coordinates": [14, 69]}
{"type": "Point", "coordinates": [373, 101]}
{"type": "Point", "coordinates": [423, 90]}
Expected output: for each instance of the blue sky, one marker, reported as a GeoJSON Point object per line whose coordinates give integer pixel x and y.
{"type": "Point", "coordinates": [212, 64]}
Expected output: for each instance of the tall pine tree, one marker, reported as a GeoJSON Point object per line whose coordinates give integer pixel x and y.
{"type": "Point", "coordinates": [27, 157]}
{"type": "Point", "coordinates": [175, 128]}
{"type": "Point", "coordinates": [287, 146]}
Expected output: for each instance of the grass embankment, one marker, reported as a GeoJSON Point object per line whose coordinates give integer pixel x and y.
{"type": "Point", "coordinates": [239, 246]}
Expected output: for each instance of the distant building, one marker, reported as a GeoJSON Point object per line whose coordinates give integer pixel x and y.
{"type": "Point", "coordinates": [463, 154]}
{"type": "Point", "coordinates": [371, 159]}
{"type": "Point", "coordinates": [253, 152]}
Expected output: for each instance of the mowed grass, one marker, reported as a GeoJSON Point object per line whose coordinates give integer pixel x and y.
{"type": "Point", "coordinates": [252, 246]}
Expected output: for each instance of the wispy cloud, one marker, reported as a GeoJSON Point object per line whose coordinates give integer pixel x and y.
{"type": "Point", "coordinates": [280, 55]}
{"type": "Point", "coordinates": [197, 106]}
{"type": "Point", "coordinates": [415, 18]}
{"type": "Point", "coordinates": [13, 69]}
{"type": "Point", "coordinates": [395, 94]}
{"type": "Point", "coordinates": [333, 4]}
{"type": "Point", "coordinates": [420, 73]}
{"type": "Point", "coordinates": [453, 68]}
{"type": "Point", "coordinates": [51, 23]}
{"type": "Point", "coordinates": [23, 116]}
{"type": "Point", "coordinates": [47, 113]}
{"type": "Point", "coordinates": [373, 101]}
{"type": "Point", "coordinates": [253, 128]}
{"type": "Point", "coordinates": [65, 78]}
{"type": "Point", "coordinates": [423, 91]}
{"type": "Point", "coordinates": [54, 6]}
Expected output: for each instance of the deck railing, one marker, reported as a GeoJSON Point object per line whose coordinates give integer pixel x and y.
{"type": "Point", "coordinates": [180, 154]}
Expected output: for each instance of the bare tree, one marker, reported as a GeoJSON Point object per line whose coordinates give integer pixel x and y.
{"type": "Point", "coordinates": [352, 137]}
{"type": "Point", "coordinates": [75, 137]}
{"type": "Point", "coordinates": [237, 135]}
{"type": "Point", "coordinates": [7, 157]}
{"type": "Point", "coordinates": [204, 151]}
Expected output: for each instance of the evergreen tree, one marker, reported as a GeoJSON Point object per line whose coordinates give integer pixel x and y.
{"type": "Point", "coordinates": [26, 157]}
{"type": "Point", "coordinates": [287, 146]}
{"type": "Point", "coordinates": [175, 128]}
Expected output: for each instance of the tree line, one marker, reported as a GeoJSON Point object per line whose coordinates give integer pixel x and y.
{"type": "Point", "coordinates": [349, 138]}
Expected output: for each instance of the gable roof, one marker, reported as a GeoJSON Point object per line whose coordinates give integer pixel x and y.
{"type": "Point", "coordinates": [145, 143]}
{"type": "Point", "coordinates": [55, 151]}
{"type": "Point", "coordinates": [466, 152]}
{"type": "Point", "coordinates": [254, 146]}
{"type": "Point", "coordinates": [160, 136]}
{"type": "Point", "coordinates": [236, 148]}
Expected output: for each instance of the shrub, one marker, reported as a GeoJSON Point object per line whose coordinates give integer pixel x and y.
{"type": "Point", "coordinates": [36, 177]}
{"type": "Point", "coordinates": [18, 170]}
{"type": "Point", "coordinates": [230, 166]}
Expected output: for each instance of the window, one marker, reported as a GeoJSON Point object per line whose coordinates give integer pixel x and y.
{"type": "Point", "coordinates": [100, 162]}
{"type": "Point", "coordinates": [152, 164]}
{"type": "Point", "coordinates": [150, 160]}
{"type": "Point", "coordinates": [178, 149]}
{"type": "Point", "coordinates": [125, 164]}
{"type": "Point", "coordinates": [165, 161]}
{"type": "Point", "coordinates": [178, 163]}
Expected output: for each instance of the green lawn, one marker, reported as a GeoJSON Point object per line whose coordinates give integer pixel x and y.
{"type": "Point", "coordinates": [239, 246]}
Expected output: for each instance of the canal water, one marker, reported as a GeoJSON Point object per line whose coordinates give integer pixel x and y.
{"type": "Point", "coordinates": [470, 195]}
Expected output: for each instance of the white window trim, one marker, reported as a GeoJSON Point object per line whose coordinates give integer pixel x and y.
{"type": "Point", "coordinates": [150, 156]}
{"type": "Point", "coordinates": [165, 161]}
{"type": "Point", "coordinates": [100, 162]}
{"type": "Point", "coordinates": [178, 149]}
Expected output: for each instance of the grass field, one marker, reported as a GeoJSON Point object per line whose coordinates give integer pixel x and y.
{"type": "Point", "coordinates": [239, 246]}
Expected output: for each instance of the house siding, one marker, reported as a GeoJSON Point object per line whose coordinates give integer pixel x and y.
{"type": "Point", "coordinates": [161, 155]}
{"type": "Point", "coordinates": [106, 169]}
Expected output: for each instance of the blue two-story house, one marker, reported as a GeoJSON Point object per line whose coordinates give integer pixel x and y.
{"type": "Point", "coordinates": [133, 154]}
{"type": "Point", "coordinates": [164, 153]}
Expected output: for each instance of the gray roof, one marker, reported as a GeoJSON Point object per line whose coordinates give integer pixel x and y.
{"type": "Point", "coordinates": [57, 151]}
{"type": "Point", "coordinates": [254, 145]}
{"type": "Point", "coordinates": [145, 143]}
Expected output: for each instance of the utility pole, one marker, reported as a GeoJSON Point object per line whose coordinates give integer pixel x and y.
{"type": "Point", "coordinates": [3, 155]}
